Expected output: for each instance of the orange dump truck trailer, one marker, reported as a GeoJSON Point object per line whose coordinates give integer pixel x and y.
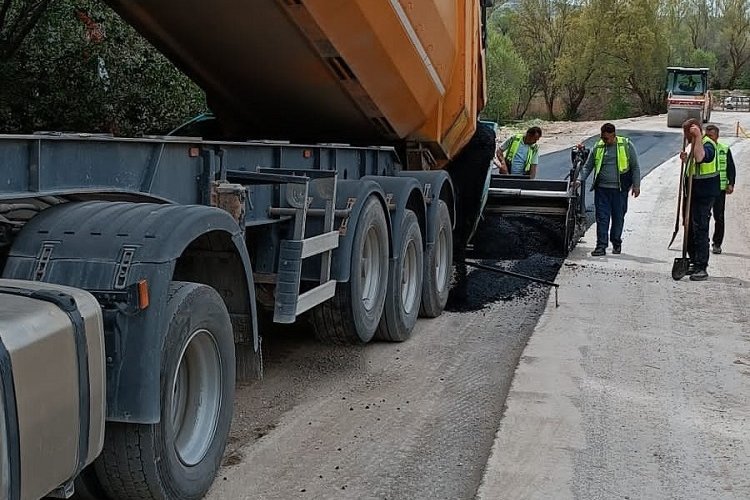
{"type": "Point", "coordinates": [344, 71]}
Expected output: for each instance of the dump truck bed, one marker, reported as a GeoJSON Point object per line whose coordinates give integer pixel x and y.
{"type": "Point", "coordinates": [354, 71]}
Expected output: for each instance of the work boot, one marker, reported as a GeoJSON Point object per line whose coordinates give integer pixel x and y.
{"type": "Point", "coordinates": [716, 249]}
{"type": "Point", "coordinates": [699, 275]}
{"type": "Point", "coordinates": [598, 252]}
{"type": "Point", "coordinates": [616, 248]}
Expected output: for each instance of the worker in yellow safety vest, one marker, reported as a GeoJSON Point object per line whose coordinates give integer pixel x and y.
{"type": "Point", "coordinates": [727, 177]}
{"type": "Point", "coordinates": [706, 187]}
{"type": "Point", "coordinates": [519, 154]}
{"type": "Point", "coordinates": [614, 162]}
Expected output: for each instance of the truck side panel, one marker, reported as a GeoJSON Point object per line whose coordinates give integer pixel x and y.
{"type": "Point", "coordinates": [352, 71]}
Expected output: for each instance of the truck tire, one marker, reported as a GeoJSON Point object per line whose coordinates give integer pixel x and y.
{"type": "Point", "coordinates": [353, 314]}
{"type": "Point", "coordinates": [402, 299]}
{"type": "Point", "coordinates": [438, 266]}
{"type": "Point", "coordinates": [178, 457]}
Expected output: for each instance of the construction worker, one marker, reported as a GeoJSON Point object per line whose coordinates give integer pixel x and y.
{"type": "Point", "coordinates": [727, 176]}
{"type": "Point", "coordinates": [614, 162]}
{"type": "Point", "coordinates": [706, 187]}
{"type": "Point", "coordinates": [519, 154]}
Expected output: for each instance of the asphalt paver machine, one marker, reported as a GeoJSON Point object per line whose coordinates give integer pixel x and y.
{"type": "Point", "coordinates": [562, 201]}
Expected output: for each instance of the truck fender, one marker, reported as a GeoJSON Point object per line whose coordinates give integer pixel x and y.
{"type": "Point", "coordinates": [351, 195]}
{"type": "Point", "coordinates": [109, 246]}
{"type": "Point", "coordinates": [436, 185]}
{"type": "Point", "coordinates": [402, 193]}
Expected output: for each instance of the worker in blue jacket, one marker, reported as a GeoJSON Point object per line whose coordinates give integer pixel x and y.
{"type": "Point", "coordinates": [703, 167]}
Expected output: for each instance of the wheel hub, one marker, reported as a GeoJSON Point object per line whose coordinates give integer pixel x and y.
{"type": "Point", "coordinates": [409, 278]}
{"type": "Point", "coordinates": [196, 397]}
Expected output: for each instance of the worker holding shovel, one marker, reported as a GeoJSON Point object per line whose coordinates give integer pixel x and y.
{"type": "Point", "coordinates": [703, 186]}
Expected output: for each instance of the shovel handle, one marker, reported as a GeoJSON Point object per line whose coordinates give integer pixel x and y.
{"type": "Point", "coordinates": [680, 196]}
{"type": "Point", "coordinates": [686, 218]}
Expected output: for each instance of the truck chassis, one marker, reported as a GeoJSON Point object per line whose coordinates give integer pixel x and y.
{"type": "Point", "coordinates": [189, 244]}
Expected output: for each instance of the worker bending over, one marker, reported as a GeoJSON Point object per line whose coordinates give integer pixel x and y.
{"type": "Point", "coordinates": [519, 154]}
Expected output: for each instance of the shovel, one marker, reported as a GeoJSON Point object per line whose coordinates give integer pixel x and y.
{"type": "Point", "coordinates": [681, 264]}
{"type": "Point", "coordinates": [680, 197]}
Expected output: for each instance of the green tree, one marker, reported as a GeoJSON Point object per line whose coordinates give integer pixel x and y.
{"type": "Point", "coordinates": [539, 31]}
{"type": "Point", "coordinates": [580, 62]}
{"type": "Point", "coordinates": [673, 15]}
{"type": "Point", "coordinates": [17, 19]}
{"type": "Point", "coordinates": [700, 20]}
{"type": "Point", "coordinates": [735, 35]}
{"type": "Point", "coordinates": [500, 17]}
{"type": "Point", "coordinates": [507, 75]}
{"type": "Point", "coordinates": [82, 68]}
{"type": "Point", "coordinates": [640, 52]}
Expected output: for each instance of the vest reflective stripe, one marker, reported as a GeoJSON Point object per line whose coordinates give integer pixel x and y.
{"type": "Point", "coordinates": [706, 169]}
{"type": "Point", "coordinates": [623, 165]}
{"type": "Point", "coordinates": [721, 151]}
{"type": "Point", "coordinates": [515, 143]}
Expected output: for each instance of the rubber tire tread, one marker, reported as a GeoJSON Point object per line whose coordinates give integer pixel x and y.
{"type": "Point", "coordinates": [395, 325]}
{"type": "Point", "coordinates": [127, 467]}
{"type": "Point", "coordinates": [124, 476]}
{"type": "Point", "coordinates": [433, 302]}
{"type": "Point", "coordinates": [333, 321]}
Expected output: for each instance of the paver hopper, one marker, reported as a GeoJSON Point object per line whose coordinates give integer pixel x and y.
{"type": "Point", "coordinates": [560, 200]}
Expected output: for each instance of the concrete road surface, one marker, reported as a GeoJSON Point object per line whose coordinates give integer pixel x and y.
{"type": "Point", "coordinates": [637, 386]}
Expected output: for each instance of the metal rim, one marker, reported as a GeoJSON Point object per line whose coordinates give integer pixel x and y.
{"type": "Point", "coordinates": [196, 397]}
{"type": "Point", "coordinates": [370, 270]}
{"type": "Point", "coordinates": [409, 277]}
{"type": "Point", "coordinates": [441, 260]}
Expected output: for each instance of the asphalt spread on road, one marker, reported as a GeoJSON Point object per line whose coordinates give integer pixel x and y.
{"type": "Point", "coordinates": [533, 245]}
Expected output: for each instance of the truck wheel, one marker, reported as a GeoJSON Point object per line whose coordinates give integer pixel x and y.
{"type": "Point", "coordinates": [404, 284]}
{"type": "Point", "coordinates": [438, 265]}
{"type": "Point", "coordinates": [353, 314]}
{"type": "Point", "coordinates": [178, 457]}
